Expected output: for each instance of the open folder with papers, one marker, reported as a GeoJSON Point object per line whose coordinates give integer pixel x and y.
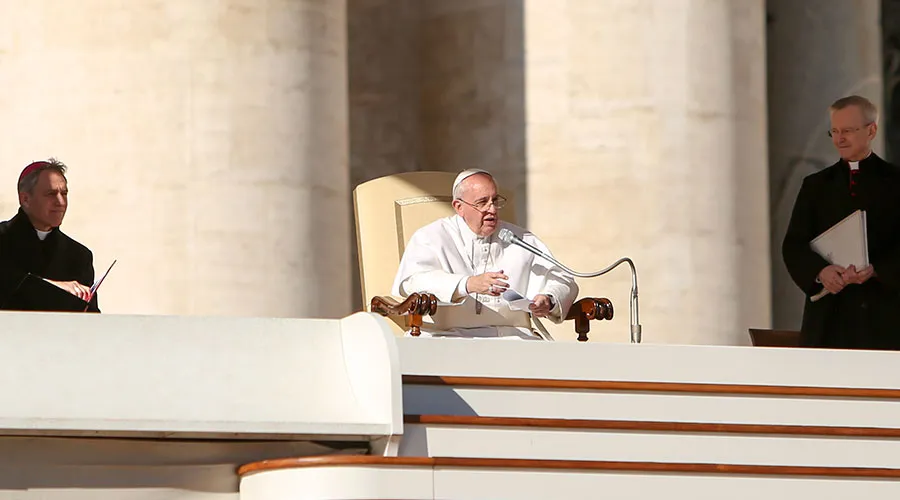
{"type": "Point", "coordinates": [99, 282]}
{"type": "Point", "coordinates": [844, 244]}
{"type": "Point", "coordinates": [34, 293]}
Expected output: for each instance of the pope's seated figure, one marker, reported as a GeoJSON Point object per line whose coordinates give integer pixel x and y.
{"type": "Point", "coordinates": [464, 264]}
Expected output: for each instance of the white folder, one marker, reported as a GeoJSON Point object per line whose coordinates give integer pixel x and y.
{"type": "Point", "coordinates": [845, 243]}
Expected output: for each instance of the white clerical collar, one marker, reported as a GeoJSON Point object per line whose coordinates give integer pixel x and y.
{"type": "Point", "coordinates": [42, 235]}
{"type": "Point", "coordinates": [854, 165]}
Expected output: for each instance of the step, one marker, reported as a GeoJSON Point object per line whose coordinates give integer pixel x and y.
{"type": "Point", "coordinates": [418, 478]}
{"type": "Point", "coordinates": [712, 403]}
{"type": "Point", "coordinates": [667, 442]}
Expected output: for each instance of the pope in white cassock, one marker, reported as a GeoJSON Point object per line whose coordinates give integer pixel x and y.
{"type": "Point", "coordinates": [461, 260]}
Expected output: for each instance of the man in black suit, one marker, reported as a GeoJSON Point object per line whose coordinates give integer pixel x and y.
{"type": "Point", "coordinates": [862, 310]}
{"type": "Point", "coordinates": [31, 242]}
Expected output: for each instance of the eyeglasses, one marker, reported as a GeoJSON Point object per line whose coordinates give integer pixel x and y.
{"type": "Point", "coordinates": [482, 205]}
{"type": "Point", "coordinates": [846, 131]}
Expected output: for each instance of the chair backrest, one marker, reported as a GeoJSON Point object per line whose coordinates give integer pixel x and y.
{"type": "Point", "coordinates": [388, 211]}
{"type": "Point", "coordinates": [774, 338]}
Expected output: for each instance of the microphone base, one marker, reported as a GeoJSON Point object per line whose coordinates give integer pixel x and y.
{"type": "Point", "coordinates": [635, 334]}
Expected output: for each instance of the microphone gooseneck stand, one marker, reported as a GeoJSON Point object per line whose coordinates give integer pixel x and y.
{"type": "Point", "coordinates": [508, 237]}
{"type": "Point", "coordinates": [633, 304]}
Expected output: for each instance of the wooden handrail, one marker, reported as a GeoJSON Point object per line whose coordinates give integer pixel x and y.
{"type": "Point", "coordinates": [672, 387]}
{"type": "Point", "coordinates": [571, 465]}
{"type": "Point", "coordinates": [653, 426]}
{"type": "Point", "coordinates": [415, 306]}
{"type": "Point", "coordinates": [586, 309]}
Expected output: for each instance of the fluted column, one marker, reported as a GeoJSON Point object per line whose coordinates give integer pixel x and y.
{"type": "Point", "coordinates": [207, 143]}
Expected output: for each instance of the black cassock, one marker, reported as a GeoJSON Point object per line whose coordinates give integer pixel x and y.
{"type": "Point", "coordinates": [863, 316]}
{"type": "Point", "coordinates": [58, 257]}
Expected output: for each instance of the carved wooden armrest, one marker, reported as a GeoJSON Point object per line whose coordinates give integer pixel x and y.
{"type": "Point", "coordinates": [415, 306]}
{"type": "Point", "coordinates": [586, 309]}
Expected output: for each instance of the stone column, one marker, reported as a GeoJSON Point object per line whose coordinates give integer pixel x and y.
{"type": "Point", "coordinates": [645, 132]}
{"type": "Point", "coordinates": [818, 51]}
{"type": "Point", "coordinates": [890, 50]}
{"type": "Point", "coordinates": [207, 145]}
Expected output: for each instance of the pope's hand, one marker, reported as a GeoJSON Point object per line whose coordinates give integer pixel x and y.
{"type": "Point", "coordinates": [488, 283]}
{"type": "Point", "coordinates": [540, 306]}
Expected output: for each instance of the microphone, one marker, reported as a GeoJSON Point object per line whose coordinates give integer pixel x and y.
{"type": "Point", "coordinates": [507, 236]}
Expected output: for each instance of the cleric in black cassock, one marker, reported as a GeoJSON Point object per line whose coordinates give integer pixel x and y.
{"type": "Point", "coordinates": [31, 242]}
{"type": "Point", "coordinates": [863, 309]}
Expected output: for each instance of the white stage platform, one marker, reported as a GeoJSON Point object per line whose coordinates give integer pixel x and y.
{"type": "Point", "coordinates": [132, 407]}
